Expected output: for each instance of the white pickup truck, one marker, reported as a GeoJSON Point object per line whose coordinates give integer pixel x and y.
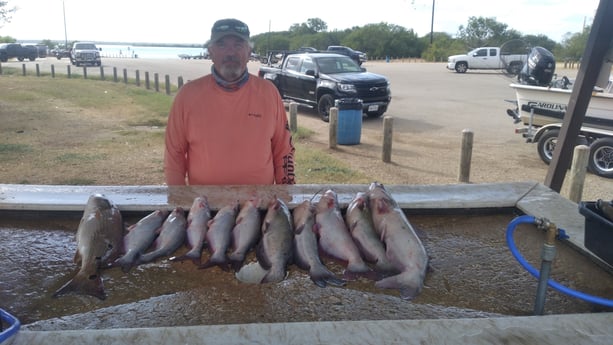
{"type": "Point", "coordinates": [487, 58]}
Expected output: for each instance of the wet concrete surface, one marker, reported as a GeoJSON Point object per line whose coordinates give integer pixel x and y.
{"type": "Point", "coordinates": [472, 275]}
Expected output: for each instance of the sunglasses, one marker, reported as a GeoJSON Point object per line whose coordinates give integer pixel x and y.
{"type": "Point", "coordinates": [237, 28]}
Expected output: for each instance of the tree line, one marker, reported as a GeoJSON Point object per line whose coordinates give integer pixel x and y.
{"type": "Point", "coordinates": [388, 40]}
{"type": "Point", "coordinates": [383, 40]}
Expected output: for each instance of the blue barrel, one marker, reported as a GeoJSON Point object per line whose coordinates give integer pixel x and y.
{"type": "Point", "coordinates": [349, 129]}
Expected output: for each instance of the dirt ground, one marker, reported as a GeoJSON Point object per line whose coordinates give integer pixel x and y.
{"type": "Point", "coordinates": [431, 107]}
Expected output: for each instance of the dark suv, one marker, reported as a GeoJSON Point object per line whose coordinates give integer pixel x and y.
{"type": "Point", "coordinates": [355, 55]}
{"type": "Point", "coordinates": [16, 50]}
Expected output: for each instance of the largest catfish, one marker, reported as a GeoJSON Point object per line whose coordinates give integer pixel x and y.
{"type": "Point", "coordinates": [99, 242]}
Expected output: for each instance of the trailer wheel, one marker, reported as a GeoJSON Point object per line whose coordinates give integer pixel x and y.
{"type": "Point", "coordinates": [461, 67]}
{"type": "Point", "coordinates": [546, 145]}
{"type": "Point", "coordinates": [601, 157]}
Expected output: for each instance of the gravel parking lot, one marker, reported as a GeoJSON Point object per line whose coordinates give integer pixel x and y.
{"type": "Point", "coordinates": [431, 106]}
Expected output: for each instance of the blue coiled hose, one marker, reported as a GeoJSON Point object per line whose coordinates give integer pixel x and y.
{"type": "Point", "coordinates": [13, 328]}
{"type": "Point", "coordinates": [532, 220]}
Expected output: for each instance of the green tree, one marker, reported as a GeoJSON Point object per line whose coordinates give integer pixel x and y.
{"type": "Point", "coordinates": [317, 25]}
{"type": "Point", "coordinates": [481, 31]}
{"type": "Point", "coordinates": [6, 12]}
{"type": "Point", "coordinates": [573, 45]}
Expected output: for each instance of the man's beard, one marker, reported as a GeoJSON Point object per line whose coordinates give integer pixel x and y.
{"type": "Point", "coordinates": [231, 69]}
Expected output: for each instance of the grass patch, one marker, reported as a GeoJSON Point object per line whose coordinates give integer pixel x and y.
{"type": "Point", "coordinates": [8, 149]}
{"type": "Point", "coordinates": [81, 110]}
{"type": "Point", "coordinates": [74, 158]}
{"type": "Point", "coordinates": [314, 166]}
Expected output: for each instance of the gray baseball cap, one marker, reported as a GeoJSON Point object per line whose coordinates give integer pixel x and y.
{"type": "Point", "coordinates": [226, 27]}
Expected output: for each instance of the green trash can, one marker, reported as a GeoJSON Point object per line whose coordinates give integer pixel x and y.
{"type": "Point", "coordinates": [349, 129]}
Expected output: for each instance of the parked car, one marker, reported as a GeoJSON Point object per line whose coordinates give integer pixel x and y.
{"type": "Point", "coordinates": [355, 55]}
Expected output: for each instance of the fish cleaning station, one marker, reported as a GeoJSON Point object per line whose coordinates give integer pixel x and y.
{"type": "Point", "coordinates": [507, 263]}
{"type": "Point", "coordinates": [476, 292]}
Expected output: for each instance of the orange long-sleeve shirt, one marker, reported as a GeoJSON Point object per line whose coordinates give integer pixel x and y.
{"type": "Point", "coordinates": [215, 136]}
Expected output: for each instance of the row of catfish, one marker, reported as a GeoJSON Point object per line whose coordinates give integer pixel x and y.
{"type": "Point", "coordinates": [374, 240]}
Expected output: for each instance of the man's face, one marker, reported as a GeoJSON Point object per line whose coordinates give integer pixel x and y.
{"type": "Point", "coordinates": [230, 55]}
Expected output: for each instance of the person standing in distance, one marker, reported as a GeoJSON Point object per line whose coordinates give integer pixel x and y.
{"type": "Point", "coordinates": [228, 127]}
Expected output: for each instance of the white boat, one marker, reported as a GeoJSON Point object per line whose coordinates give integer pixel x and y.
{"type": "Point", "coordinates": [538, 106]}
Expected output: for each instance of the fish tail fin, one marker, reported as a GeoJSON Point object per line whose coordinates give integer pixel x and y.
{"type": "Point", "coordinates": [404, 282]}
{"type": "Point", "coordinates": [83, 284]}
{"type": "Point", "coordinates": [221, 262]}
{"type": "Point", "coordinates": [353, 272]}
{"type": "Point", "coordinates": [126, 262]}
{"type": "Point", "coordinates": [274, 275]}
{"type": "Point", "coordinates": [195, 257]}
{"type": "Point", "coordinates": [321, 276]}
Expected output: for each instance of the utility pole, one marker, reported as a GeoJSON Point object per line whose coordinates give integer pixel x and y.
{"type": "Point", "coordinates": [65, 32]}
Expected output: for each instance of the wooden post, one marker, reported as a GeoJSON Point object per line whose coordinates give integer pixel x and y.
{"type": "Point", "coordinates": [147, 84]}
{"type": "Point", "coordinates": [156, 82]}
{"type": "Point", "coordinates": [333, 127]}
{"type": "Point", "coordinates": [137, 75]}
{"type": "Point", "coordinates": [388, 124]}
{"type": "Point", "coordinates": [115, 74]}
{"type": "Point", "coordinates": [37, 70]}
{"type": "Point", "coordinates": [1, 68]}
{"type": "Point", "coordinates": [84, 72]}
{"type": "Point", "coordinates": [167, 83]}
{"type": "Point", "coordinates": [180, 82]}
{"type": "Point", "coordinates": [578, 169]}
{"type": "Point", "coordinates": [52, 71]}
{"type": "Point", "coordinates": [293, 116]}
{"type": "Point", "coordinates": [465, 156]}
{"type": "Point", "coordinates": [101, 72]}
{"type": "Point", "coordinates": [125, 76]}
{"type": "Point", "coordinates": [68, 71]}
{"type": "Point", "coordinates": [23, 69]}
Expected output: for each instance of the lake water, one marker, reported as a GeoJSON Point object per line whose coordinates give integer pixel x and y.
{"type": "Point", "coordinates": [149, 52]}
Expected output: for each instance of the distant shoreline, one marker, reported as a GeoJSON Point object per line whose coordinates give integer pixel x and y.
{"type": "Point", "coordinates": [133, 44]}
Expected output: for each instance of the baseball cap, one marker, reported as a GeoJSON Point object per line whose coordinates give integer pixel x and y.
{"type": "Point", "coordinates": [225, 27]}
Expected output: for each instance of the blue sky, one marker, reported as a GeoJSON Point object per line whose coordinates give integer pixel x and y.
{"type": "Point", "coordinates": [189, 21]}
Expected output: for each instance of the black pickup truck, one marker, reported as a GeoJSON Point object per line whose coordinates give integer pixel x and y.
{"type": "Point", "coordinates": [318, 79]}
{"type": "Point", "coordinates": [16, 50]}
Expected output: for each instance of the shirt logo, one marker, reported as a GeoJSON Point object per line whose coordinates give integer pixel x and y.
{"type": "Point", "coordinates": [254, 115]}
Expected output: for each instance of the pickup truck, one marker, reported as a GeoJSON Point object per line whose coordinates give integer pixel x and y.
{"type": "Point", "coordinates": [16, 50]}
{"type": "Point", "coordinates": [356, 55]}
{"type": "Point", "coordinates": [487, 58]}
{"type": "Point", "coordinates": [319, 79]}
{"type": "Point", "coordinates": [83, 53]}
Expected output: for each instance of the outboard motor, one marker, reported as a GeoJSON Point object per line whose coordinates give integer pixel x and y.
{"type": "Point", "coordinates": [539, 69]}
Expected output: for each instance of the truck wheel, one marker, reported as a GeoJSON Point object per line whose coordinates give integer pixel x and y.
{"type": "Point", "coordinates": [546, 145]}
{"type": "Point", "coordinates": [514, 68]}
{"type": "Point", "coordinates": [601, 157]}
{"type": "Point", "coordinates": [461, 67]}
{"type": "Point", "coordinates": [20, 58]}
{"type": "Point", "coordinates": [323, 107]}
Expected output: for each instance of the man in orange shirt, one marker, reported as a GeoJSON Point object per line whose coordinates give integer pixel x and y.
{"type": "Point", "coordinates": [228, 127]}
